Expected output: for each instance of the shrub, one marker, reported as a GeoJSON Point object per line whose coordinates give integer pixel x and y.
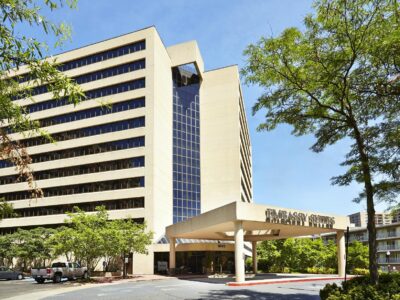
{"type": "Point", "coordinates": [316, 270]}
{"type": "Point", "coordinates": [275, 269]}
{"type": "Point", "coordinates": [359, 288]}
{"type": "Point", "coordinates": [262, 265]}
{"type": "Point", "coordinates": [360, 271]}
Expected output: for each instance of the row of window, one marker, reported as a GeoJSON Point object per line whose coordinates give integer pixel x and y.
{"type": "Point", "coordinates": [91, 94]}
{"type": "Point", "coordinates": [86, 206]}
{"type": "Point", "coordinates": [11, 230]}
{"type": "Point", "coordinates": [94, 58]}
{"type": "Point", "coordinates": [184, 195]}
{"type": "Point", "coordinates": [91, 113]}
{"type": "Point", "coordinates": [82, 151]}
{"type": "Point", "coordinates": [82, 169]}
{"type": "Point", "coordinates": [186, 169]}
{"type": "Point", "coordinates": [93, 76]}
{"type": "Point", "coordinates": [88, 131]}
{"type": "Point", "coordinates": [119, 184]}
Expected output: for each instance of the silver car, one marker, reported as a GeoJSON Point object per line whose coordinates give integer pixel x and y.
{"type": "Point", "coordinates": [6, 273]}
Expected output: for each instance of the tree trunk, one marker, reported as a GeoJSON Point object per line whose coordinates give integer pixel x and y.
{"type": "Point", "coordinates": [369, 192]}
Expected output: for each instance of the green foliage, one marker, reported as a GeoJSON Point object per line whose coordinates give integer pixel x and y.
{"type": "Point", "coordinates": [297, 255]}
{"type": "Point", "coordinates": [21, 52]}
{"type": "Point", "coordinates": [359, 288]}
{"type": "Point", "coordinates": [90, 237]}
{"type": "Point", "coordinates": [309, 255]}
{"type": "Point", "coordinates": [86, 237]}
{"type": "Point", "coordinates": [357, 256]}
{"type": "Point", "coordinates": [30, 246]}
{"type": "Point", "coordinates": [359, 271]}
{"type": "Point", "coordinates": [339, 79]}
{"type": "Point", "coordinates": [6, 209]}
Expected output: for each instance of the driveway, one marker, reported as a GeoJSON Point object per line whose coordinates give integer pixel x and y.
{"type": "Point", "coordinates": [12, 288]}
{"type": "Point", "coordinates": [195, 289]}
{"type": "Point", "coordinates": [173, 288]}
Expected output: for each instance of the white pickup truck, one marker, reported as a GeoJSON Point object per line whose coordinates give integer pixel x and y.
{"type": "Point", "coordinates": [59, 270]}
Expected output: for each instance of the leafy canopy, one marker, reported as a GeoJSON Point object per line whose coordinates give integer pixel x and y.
{"type": "Point", "coordinates": [23, 64]}
{"type": "Point", "coordinates": [339, 78]}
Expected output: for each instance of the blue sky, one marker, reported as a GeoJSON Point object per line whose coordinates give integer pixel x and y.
{"type": "Point", "coordinates": [286, 173]}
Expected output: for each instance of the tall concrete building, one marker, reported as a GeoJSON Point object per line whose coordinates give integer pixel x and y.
{"type": "Point", "coordinates": [173, 143]}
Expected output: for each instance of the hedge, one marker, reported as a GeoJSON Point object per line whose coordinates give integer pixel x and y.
{"type": "Point", "coordinates": [359, 288]}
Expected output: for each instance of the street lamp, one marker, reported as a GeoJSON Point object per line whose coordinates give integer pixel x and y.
{"type": "Point", "coordinates": [387, 260]}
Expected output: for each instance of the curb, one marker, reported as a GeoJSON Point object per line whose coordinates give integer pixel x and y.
{"type": "Point", "coordinates": [272, 281]}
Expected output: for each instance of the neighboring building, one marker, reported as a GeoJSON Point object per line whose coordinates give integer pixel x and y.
{"type": "Point", "coordinates": [173, 144]}
{"type": "Point", "coordinates": [360, 219]}
{"type": "Point", "coordinates": [388, 239]}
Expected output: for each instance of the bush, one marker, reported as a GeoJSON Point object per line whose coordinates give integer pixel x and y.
{"type": "Point", "coordinates": [275, 269]}
{"type": "Point", "coordinates": [322, 270]}
{"type": "Point", "coordinates": [262, 265]}
{"type": "Point", "coordinates": [360, 271]}
{"type": "Point", "coordinates": [359, 288]}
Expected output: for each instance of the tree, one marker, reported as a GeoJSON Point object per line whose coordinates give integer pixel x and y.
{"type": "Point", "coordinates": [268, 254]}
{"type": "Point", "coordinates": [21, 52]}
{"type": "Point", "coordinates": [357, 256]}
{"type": "Point", "coordinates": [89, 237]}
{"type": "Point", "coordinates": [31, 246]}
{"type": "Point", "coordinates": [122, 237]}
{"type": "Point", "coordinates": [83, 230]}
{"type": "Point", "coordinates": [6, 250]}
{"type": "Point", "coordinates": [339, 79]}
{"type": "Point", "coordinates": [6, 209]}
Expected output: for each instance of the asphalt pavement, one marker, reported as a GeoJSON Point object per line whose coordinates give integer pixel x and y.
{"type": "Point", "coordinates": [12, 288]}
{"type": "Point", "coordinates": [172, 288]}
{"type": "Point", "coordinates": [195, 289]}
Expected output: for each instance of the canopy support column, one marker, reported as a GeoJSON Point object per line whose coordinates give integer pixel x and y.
{"type": "Point", "coordinates": [254, 246]}
{"type": "Point", "coordinates": [341, 253]}
{"type": "Point", "coordinates": [172, 257]}
{"type": "Point", "coordinates": [239, 255]}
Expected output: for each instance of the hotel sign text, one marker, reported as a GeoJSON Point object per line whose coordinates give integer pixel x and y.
{"type": "Point", "coordinates": [298, 218]}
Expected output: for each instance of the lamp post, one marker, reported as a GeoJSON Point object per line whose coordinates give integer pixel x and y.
{"type": "Point", "coordinates": [388, 260]}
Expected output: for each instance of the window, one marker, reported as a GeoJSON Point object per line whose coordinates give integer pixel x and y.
{"type": "Point", "coordinates": [94, 58]}
{"type": "Point", "coordinates": [91, 94]}
{"type": "Point", "coordinates": [97, 75]}
{"type": "Point", "coordinates": [126, 183]}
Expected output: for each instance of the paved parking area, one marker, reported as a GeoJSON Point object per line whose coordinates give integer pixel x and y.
{"type": "Point", "coordinates": [173, 288]}
{"type": "Point", "coordinates": [196, 289]}
{"type": "Point", "coordinates": [12, 288]}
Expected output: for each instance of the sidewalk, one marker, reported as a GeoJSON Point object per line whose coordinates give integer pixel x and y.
{"type": "Point", "coordinates": [260, 279]}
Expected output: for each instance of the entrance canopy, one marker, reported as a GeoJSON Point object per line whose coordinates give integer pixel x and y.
{"type": "Point", "coordinates": [250, 222]}
{"type": "Point", "coordinates": [259, 222]}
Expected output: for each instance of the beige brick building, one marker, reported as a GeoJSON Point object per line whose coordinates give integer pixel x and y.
{"type": "Point", "coordinates": [174, 143]}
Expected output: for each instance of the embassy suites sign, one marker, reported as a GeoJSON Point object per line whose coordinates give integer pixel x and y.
{"type": "Point", "coordinates": [298, 218]}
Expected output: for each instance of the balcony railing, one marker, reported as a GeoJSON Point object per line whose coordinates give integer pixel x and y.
{"type": "Point", "coordinates": [391, 260]}
{"type": "Point", "coordinates": [388, 247]}
{"type": "Point", "coordinates": [358, 238]}
{"type": "Point", "coordinates": [387, 235]}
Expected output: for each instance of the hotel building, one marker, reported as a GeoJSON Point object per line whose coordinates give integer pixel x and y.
{"type": "Point", "coordinates": [387, 237]}
{"type": "Point", "coordinates": [171, 143]}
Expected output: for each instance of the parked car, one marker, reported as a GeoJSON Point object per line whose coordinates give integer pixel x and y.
{"type": "Point", "coordinates": [59, 270]}
{"type": "Point", "coordinates": [6, 273]}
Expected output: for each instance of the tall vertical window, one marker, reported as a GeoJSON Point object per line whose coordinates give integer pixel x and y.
{"type": "Point", "coordinates": [186, 142]}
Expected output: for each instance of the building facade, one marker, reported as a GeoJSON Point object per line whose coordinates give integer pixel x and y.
{"type": "Point", "coordinates": [360, 219]}
{"type": "Point", "coordinates": [172, 143]}
{"type": "Point", "coordinates": [388, 243]}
